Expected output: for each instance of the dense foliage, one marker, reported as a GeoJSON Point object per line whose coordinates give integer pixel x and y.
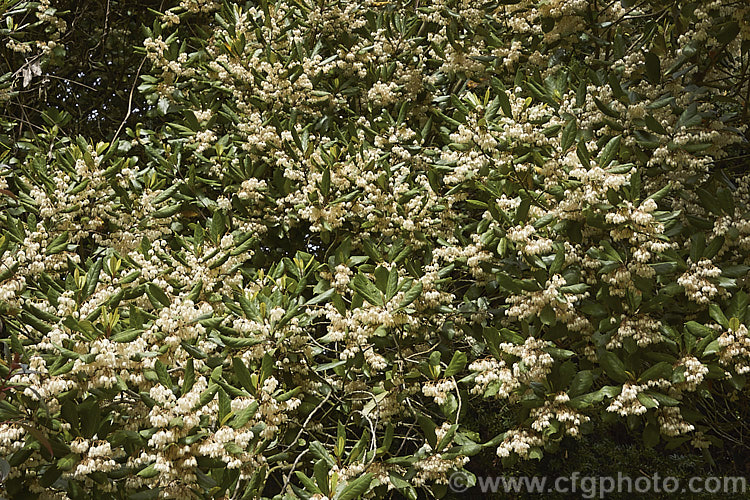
{"type": "Point", "coordinates": [284, 248]}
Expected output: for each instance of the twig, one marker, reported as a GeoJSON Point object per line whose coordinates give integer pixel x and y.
{"type": "Point", "coordinates": [130, 100]}
{"type": "Point", "coordinates": [71, 81]}
{"type": "Point", "coordinates": [291, 471]}
{"type": "Point", "coordinates": [307, 421]}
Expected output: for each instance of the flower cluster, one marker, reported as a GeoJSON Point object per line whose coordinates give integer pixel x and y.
{"type": "Point", "coordinates": [734, 349]}
{"type": "Point", "coordinates": [337, 225]}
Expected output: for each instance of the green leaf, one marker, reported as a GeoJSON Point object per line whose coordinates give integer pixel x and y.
{"type": "Point", "coordinates": [604, 108]}
{"type": "Point", "coordinates": [193, 350]}
{"type": "Point", "coordinates": [130, 277]}
{"type": "Point", "coordinates": [613, 366]}
{"type": "Point", "coordinates": [323, 297]}
{"type": "Point", "coordinates": [729, 33]}
{"type": "Point", "coordinates": [41, 437]}
{"type": "Point", "coordinates": [402, 485]}
{"type": "Point", "coordinates": [218, 226]}
{"type": "Point", "coordinates": [189, 378]}
{"type": "Point", "coordinates": [700, 331]}
{"type": "Point", "coordinates": [505, 104]}
{"type": "Point", "coordinates": [447, 438]}
{"type": "Point", "coordinates": [381, 278]}
{"type": "Point", "coordinates": [711, 348]}
{"type": "Point", "coordinates": [166, 194]}
{"type": "Point", "coordinates": [367, 289]}
{"type": "Point", "coordinates": [243, 416]}
{"type": "Point", "coordinates": [738, 306]}
{"type": "Point", "coordinates": [428, 427]}
{"type": "Point", "coordinates": [581, 383]}
{"type": "Point", "coordinates": [289, 394]}
{"type": "Point", "coordinates": [319, 451]}
{"type": "Point", "coordinates": [559, 261]}
{"type": "Point", "coordinates": [657, 196]}
{"type": "Point", "coordinates": [163, 105]}
{"type": "Point", "coordinates": [325, 183]}
{"type": "Point", "coordinates": [609, 151]}
{"type": "Point", "coordinates": [548, 316]}
{"type": "Point", "coordinates": [646, 139]}
{"type": "Point", "coordinates": [207, 395]}
{"type": "Point", "coordinates": [654, 125]}
{"type": "Point", "coordinates": [392, 284]}
{"type": "Point", "coordinates": [661, 102]}
{"type": "Point", "coordinates": [126, 335]}
{"type": "Point", "coordinates": [149, 472]}
{"type": "Point", "coordinates": [697, 246]}
{"type": "Point", "coordinates": [713, 247]}
{"type": "Point", "coordinates": [65, 352]}
{"type": "Point", "coordinates": [653, 68]}
{"type": "Point", "coordinates": [663, 399]}
{"type": "Point", "coordinates": [689, 117]}
{"type": "Point", "coordinates": [163, 374]}
{"type": "Point", "coordinates": [62, 369]}
{"type": "Point", "coordinates": [195, 291]}
{"type": "Point", "coordinates": [167, 211]}
{"type": "Point", "coordinates": [320, 472]}
{"type": "Point", "coordinates": [696, 147]}
{"type": "Point", "coordinates": [356, 488]}
{"type": "Point", "coordinates": [225, 405]}
{"type": "Point", "coordinates": [58, 244]}
{"type": "Point", "coordinates": [716, 313]}
{"type": "Point", "coordinates": [308, 483]}
{"type": "Point", "coordinates": [651, 435]}
{"type": "Point", "coordinates": [661, 370]}
{"type": "Point", "coordinates": [543, 221]}
{"type": "Point", "coordinates": [150, 494]}
{"type": "Point", "coordinates": [340, 439]}
{"type": "Point", "coordinates": [457, 364]}
{"type": "Point", "coordinates": [568, 135]}
{"type": "Point", "coordinates": [371, 250]}
{"type": "Point", "coordinates": [508, 284]}
{"type": "Point", "coordinates": [577, 288]}
{"type": "Point", "coordinates": [583, 153]}
{"type": "Point", "coordinates": [232, 447]}
{"type": "Point", "coordinates": [243, 246]}
{"type": "Point", "coordinates": [239, 342]}
{"type": "Point", "coordinates": [157, 296]}
{"type": "Point", "coordinates": [411, 295]}
{"type": "Point", "coordinates": [266, 367]}
{"type": "Point", "coordinates": [586, 400]}
{"type": "Point", "coordinates": [68, 461]}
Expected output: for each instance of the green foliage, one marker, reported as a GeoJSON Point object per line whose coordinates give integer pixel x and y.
{"type": "Point", "coordinates": [295, 246]}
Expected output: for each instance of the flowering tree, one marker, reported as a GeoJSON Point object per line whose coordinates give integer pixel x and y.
{"type": "Point", "coordinates": [339, 225]}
